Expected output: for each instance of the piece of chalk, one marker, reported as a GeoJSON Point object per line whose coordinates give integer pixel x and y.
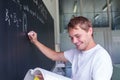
{"type": "Point", "coordinates": [30, 33]}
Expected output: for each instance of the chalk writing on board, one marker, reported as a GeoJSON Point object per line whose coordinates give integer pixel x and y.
{"type": "Point", "coordinates": [43, 10]}
{"type": "Point", "coordinates": [7, 17]}
{"type": "Point", "coordinates": [24, 21]}
{"type": "Point", "coordinates": [18, 3]}
{"type": "Point", "coordinates": [15, 19]}
{"type": "Point", "coordinates": [12, 18]}
{"type": "Point", "coordinates": [40, 7]}
{"type": "Point", "coordinates": [35, 1]}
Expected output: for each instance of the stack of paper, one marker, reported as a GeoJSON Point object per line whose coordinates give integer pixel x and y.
{"type": "Point", "coordinates": [47, 75]}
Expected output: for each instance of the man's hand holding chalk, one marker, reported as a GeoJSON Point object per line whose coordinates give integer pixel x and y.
{"type": "Point", "coordinates": [32, 36]}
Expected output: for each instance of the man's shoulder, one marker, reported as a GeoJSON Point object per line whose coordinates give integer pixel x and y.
{"type": "Point", "coordinates": [72, 50]}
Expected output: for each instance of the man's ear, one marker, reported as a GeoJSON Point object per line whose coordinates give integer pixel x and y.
{"type": "Point", "coordinates": [90, 31]}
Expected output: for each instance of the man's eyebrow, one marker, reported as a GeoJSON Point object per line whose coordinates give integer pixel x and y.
{"type": "Point", "coordinates": [74, 35]}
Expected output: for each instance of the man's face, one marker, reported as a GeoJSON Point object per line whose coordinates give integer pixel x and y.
{"type": "Point", "coordinates": [80, 37]}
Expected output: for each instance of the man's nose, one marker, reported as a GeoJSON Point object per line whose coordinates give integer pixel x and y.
{"type": "Point", "coordinates": [74, 40]}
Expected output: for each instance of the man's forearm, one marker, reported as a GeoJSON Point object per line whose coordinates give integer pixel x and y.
{"type": "Point", "coordinates": [46, 51]}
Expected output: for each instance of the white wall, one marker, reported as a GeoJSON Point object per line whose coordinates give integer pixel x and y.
{"type": "Point", "coordinates": [53, 8]}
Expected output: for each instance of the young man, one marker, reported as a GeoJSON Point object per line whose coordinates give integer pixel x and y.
{"type": "Point", "coordinates": [89, 60]}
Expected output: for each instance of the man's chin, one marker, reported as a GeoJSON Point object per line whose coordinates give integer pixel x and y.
{"type": "Point", "coordinates": [79, 48]}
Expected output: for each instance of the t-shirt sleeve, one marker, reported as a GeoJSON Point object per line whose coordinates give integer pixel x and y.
{"type": "Point", "coordinates": [69, 55]}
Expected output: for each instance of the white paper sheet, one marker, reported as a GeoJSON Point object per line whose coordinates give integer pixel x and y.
{"type": "Point", "coordinates": [47, 75]}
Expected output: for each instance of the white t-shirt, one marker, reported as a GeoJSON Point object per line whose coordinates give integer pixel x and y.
{"type": "Point", "coordinates": [94, 64]}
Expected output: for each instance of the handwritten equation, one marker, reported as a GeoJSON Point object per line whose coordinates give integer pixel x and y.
{"type": "Point", "coordinates": [39, 6]}
{"type": "Point", "coordinates": [13, 17]}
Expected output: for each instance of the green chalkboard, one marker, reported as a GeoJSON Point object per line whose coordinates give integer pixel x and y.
{"type": "Point", "coordinates": [17, 54]}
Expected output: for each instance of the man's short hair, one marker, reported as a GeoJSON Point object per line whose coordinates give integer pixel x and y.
{"type": "Point", "coordinates": [81, 21]}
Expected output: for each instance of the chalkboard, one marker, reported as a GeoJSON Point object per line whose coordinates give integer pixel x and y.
{"type": "Point", "coordinates": [17, 53]}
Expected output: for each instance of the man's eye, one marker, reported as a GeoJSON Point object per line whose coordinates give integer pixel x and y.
{"type": "Point", "coordinates": [77, 36]}
{"type": "Point", "coordinates": [71, 38]}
